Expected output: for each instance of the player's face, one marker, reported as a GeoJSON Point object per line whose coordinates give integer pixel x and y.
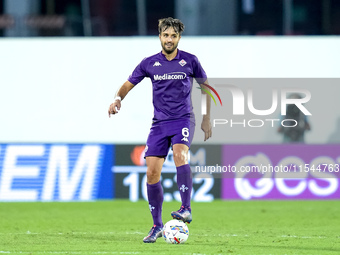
{"type": "Point", "coordinates": [169, 40]}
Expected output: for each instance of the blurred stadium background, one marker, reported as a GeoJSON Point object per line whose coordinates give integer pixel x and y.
{"type": "Point", "coordinates": [62, 61]}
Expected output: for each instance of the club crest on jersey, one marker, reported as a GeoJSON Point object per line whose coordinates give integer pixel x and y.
{"type": "Point", "coordinates": [157, 64]}
{"type": "Point", "coordinates": [182, 62]}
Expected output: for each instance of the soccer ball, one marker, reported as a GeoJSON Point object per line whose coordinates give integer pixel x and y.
{"type": "Point", "coordinates": [175, 232]}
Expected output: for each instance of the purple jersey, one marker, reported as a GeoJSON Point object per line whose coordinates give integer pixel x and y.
{"type": "Point", "coordinates": [172, 83]}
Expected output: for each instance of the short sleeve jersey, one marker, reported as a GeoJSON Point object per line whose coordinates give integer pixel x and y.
{"type": "Point", "coordinates": [172, 83]}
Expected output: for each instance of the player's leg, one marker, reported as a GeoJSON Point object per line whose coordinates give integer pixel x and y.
{"type": "Point", "coordinates": [155, 196]}
{"type": "Point", "coordinates": [157, 147]}
{"type": "Point", "coordinates": [181, 143]}
{"type": "Point", "coordinates": [184, 182]}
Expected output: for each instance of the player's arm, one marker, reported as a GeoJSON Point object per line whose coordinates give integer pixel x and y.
{"type": "Point", "coordinates": [120, 95]}
{"type": "Point", "coordinates": [206, 125]}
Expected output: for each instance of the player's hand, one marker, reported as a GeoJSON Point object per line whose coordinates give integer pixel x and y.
{"type": "Point", "coordinates": [114, 107]}
{"type": "Point", "coordinates": [206, 127]}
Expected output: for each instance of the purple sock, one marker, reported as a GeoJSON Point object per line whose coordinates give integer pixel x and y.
{"type": "Point", "coordinates": [184, 183]}
{"type": "Point", "coordinates": [155, 197]}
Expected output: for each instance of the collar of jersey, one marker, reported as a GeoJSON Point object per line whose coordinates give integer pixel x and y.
{"type": "Point", "coordinates": [177, 56]}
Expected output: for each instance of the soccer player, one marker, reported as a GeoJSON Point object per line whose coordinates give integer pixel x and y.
{"type": "Point", "coordinates": [171, 72]}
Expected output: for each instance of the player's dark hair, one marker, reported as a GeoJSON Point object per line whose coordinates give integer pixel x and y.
{"type": "Point", "coordinates": [165, 23]}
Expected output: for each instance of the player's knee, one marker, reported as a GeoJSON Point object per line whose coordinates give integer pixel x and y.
{"type": "Point", "coordinates": [180, 157]}
{"type": "Point", "coordinates": [152, 176]}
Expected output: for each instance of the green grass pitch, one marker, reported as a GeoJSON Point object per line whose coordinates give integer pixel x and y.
{"type": "Point", "coordinates": [220, 227]}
